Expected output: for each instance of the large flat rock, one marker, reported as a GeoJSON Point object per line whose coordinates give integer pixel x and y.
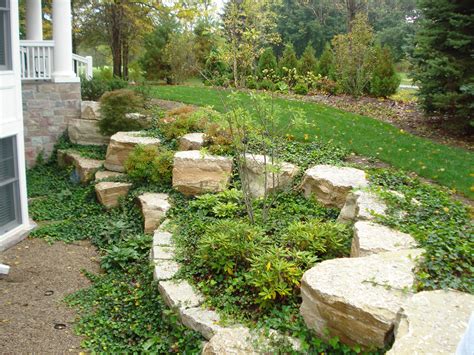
{"type": "Point", "coordinates": [180, 294]}
{"type": "Point", "coordinates": [85, 168]}
{"type": "Point", "coordinates": [108, 192]}
{"type": "Point", "coordinates": [235, 341]}
{"type": "Point", "coordinates": [195, 173]}
{"type": "Point", "coordinates": [165, 269]}
{"type": "Point", "coordinates": [86, 132]}
{"type": "Point", "coordinates": [432, 322]}
{"type": "Point", "coordinates": [191, 141]}
{"type": "Point", "coordinates": [372, 238]}
{"type": "Point", "coordinates": [358, 299]}
{"type": "Point", "coordinates": [265, 176]}
{"type": "Point", "coordinates": [202, 320]}
{"type": "Point", "coordinates": [361, 206]}
{"type": "Point", "coordinates": [105, 174]}
{"type": "Point", "coordinates": [330, 185]}
{"type": "Point", "coordinates": [154, 208]}
{"type": "Point", "coordinates": [90, 110]}
{"type": "Point", "coordinates": [120, 146]}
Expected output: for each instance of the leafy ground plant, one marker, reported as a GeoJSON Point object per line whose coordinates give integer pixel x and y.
{"type": "Point", "coordinates": [122, 311]}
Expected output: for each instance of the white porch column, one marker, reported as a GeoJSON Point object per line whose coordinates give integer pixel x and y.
{"type": "Point", "coordinates": [34, 20]}
{"type": "Point", "coordinates": [62, 36]}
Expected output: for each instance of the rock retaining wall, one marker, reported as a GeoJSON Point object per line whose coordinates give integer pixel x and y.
{"type": "Point", "coordinates": [47, 110]}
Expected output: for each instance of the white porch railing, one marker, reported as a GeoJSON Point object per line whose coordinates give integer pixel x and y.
{"type": "Point", "coordinates": [36, 58]}
{"type": "Point", "coordinates": [82, 65]}
{"type": "Point", "coordinates": [37, 61]}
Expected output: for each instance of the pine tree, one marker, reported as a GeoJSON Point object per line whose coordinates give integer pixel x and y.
{"type": "Point", "coordinates": [326, 64]}
{"type": "Point", "coordinates": [385, 80]}
{"type": "Point", "coordinates": [267, 61]}
{"type": "Point", "coordinates": [308, 62]}
{"type": "Point", "coordinates": [443, 58]}
{"type": "Point", "coordinates": [288, 59]}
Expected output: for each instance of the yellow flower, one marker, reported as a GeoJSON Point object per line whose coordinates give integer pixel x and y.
{"type": "Point", "coordinates": [306, 136]}
{"type": "Point", "coordinates": [446, 209]}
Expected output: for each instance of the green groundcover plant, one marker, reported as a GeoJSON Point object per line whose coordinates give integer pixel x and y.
{"type": "Point", "coordinates": [250, 272]}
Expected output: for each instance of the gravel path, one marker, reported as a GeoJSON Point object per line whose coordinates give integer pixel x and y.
{"type": "Point", "coordinates": [33, 318]}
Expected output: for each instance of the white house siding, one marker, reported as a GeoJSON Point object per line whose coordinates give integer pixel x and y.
{"type": "Point", "coordinates": [11, 125]}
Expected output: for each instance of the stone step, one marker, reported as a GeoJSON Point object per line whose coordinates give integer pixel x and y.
{"type": "Point", "coordinates": [120, 146]}
{"type": "Point", "coordinates": [358, 299]}
{"type": "Point", "coordinates": [432, 322]}
{"type": "Point", "coordinates": [361, 206]}
{"type": "Point", "coordinates": [85, 168]}
{"type": "Point", "coordinates": [108, 192]}
{"type": "Point", "coordinates": [372, 238]}
{"type": "Point", "coordinates": [165, 269]}
{"type": "Point", "coordinates": [195, 173]}
{"type": "Point", "coordinates": [179, 294]}
{"type": "Point", "coordinates": [105, 174]}
{"type": "Point", "coordinates": [154, 208]}
{"type": "Point", "coordinates": [330, 185]}
{"type": "Point", "coordinates": [202, 320]}
{"type": "Point", "coordinates": [191, 141]}
{"type": "Point", "coordinates": [278, 175]}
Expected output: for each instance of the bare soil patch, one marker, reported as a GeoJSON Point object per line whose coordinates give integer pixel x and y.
{"type": "Point", "coordinates": [33, 316]}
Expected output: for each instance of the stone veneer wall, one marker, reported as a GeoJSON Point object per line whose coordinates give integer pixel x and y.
{"type": "Point", "coordinates": [47, 109]}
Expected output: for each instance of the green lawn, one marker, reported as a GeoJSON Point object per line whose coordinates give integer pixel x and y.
{"type": "Point", "coordinates": [405, 80]}
{"type": "Point", "coordinates": [450, 166]}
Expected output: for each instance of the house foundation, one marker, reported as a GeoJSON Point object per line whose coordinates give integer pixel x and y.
{"type": "Point", "coordinates": [48, 108]}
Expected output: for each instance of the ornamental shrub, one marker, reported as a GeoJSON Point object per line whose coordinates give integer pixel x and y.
{"type": "Point", "coordinates": [288, 59]}
{"type": "Point", "coordinates": [353, 57]}
{"type": "Point", "coordinates": [267, 61]}
{"type": "Point", "coordinates": [114, 107]}
{"type": "Point", "coordinates": [326, 62]}
{"type": "Point", "coordinates": [181, 121]}
{"type": "Point", "coordinates": [308, 62]}
{"type": "Point", "coordinates": [301, 88]}
{"type": "Point", "coordinates": [385, 80]}
{"type": "Point", "coordinates": [226, 245]}
{"type": "Point", "coordinates": [150, 164]}
{"type": "Point", "coordinates": [93, 89]}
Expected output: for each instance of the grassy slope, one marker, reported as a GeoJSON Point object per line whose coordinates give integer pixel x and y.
{"type": "Point", "coordinates": [363, 135]}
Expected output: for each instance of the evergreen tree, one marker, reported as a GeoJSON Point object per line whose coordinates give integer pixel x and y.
{"type": "Point", "coordinates": [288, 59]}
{"type": "Point", "coordinates": [267, 61]}
{"type": "Point", "coordinates": [326, 62]}
{"type": "Point", "coordinates": [443, 57]}
{"type": "Point", "coordinates": [308, 62]}
{"type": "Point", "coordinates": [384, 81]}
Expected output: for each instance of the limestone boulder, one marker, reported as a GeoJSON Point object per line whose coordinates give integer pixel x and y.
{"type": "Point", "coordinates": [372, 238]}
{"type": "Point", "coordinates": [66, 157]}
{"type": "Point", "coordinates": [90, 110]}
{"type": "Point", "coordinates": [162, 238]}
{"type": "Point", "coordinates": [165, 269]}
{"type": "Point", "coordinates": [108, 193]}
{"type": "Point", "coordinates": [179, 294]}
{"type": "Point", "coordinates": [277, 175]}
{"type": "Point", "coordinates": [105, 174]}
{"type": "Point", "coordinates": [358, 299]}
{"type": "Point", "coordinates": [191, 141]}
{"type": "Point", "coordinates": [202, 320]}
{"type": "Point", "coordinates": [195, 173]}
{"type": "Point", "coordinates": [154, 208]}
{"type": "Point", "coordinates": [86, 168]}
{"type": "Point", "coordinates": [235, 341]}
{"type": "Point", "coordinates": [361, 206]}
{"type": "Point", "coordinates": [120, 146]}
{"type": "Point", "coordinates": [86, 132]}
{"type": "Point", "coordinates": [330, 185]}
{"type": "Point", "coordinates": [432, 322]}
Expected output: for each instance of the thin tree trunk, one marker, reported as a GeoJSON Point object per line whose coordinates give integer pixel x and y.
{"type": "Point", "coordinates": [125, 57]}
{"type": "Point", "coordinates": [116, 37]}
